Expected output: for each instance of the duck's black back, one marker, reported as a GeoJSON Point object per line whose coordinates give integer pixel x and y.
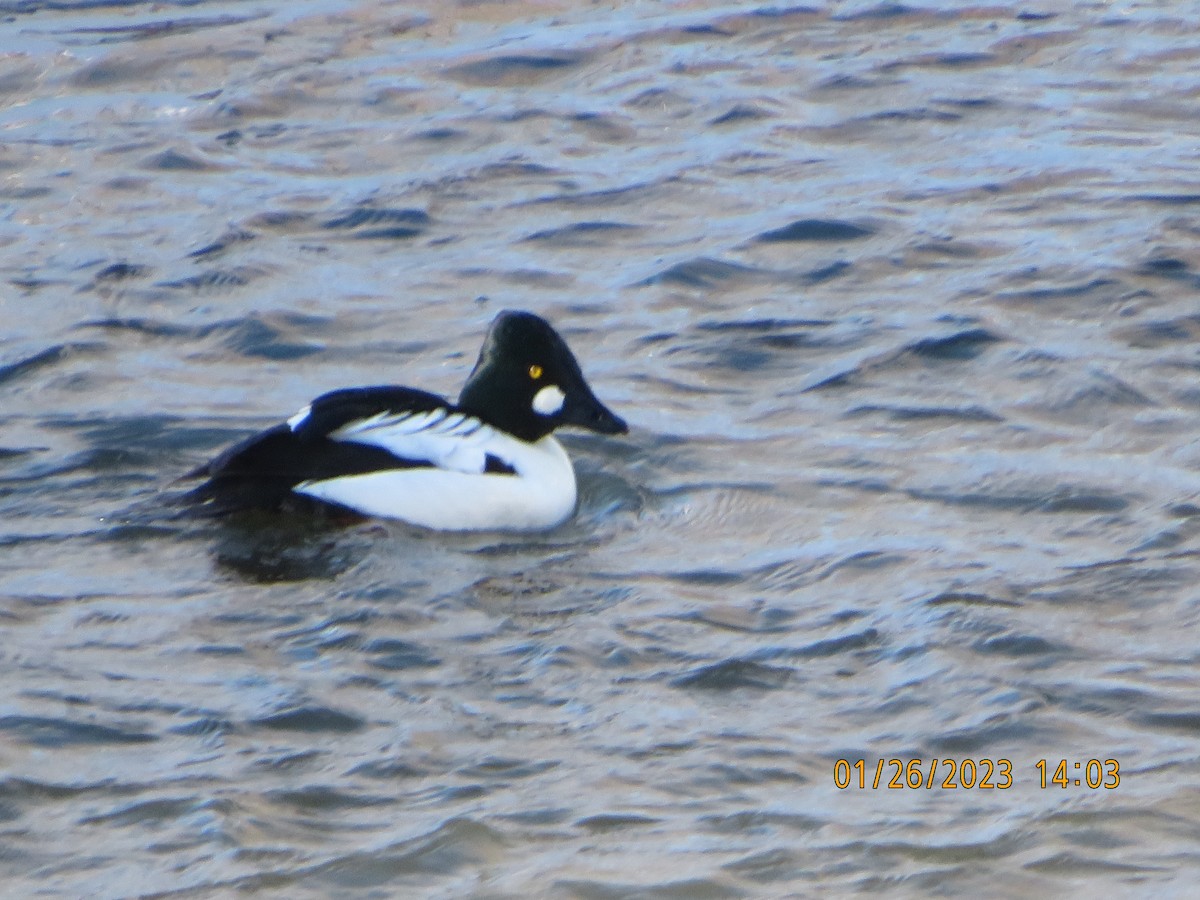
{"type": "Point", "coordinates": [260, 472]}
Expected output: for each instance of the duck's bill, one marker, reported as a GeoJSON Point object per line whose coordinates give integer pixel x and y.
{"type": "Point", "coordinates": [588, 412]}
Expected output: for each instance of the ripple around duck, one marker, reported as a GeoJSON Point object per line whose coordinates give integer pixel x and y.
{"type": "Point", "coordinates": [267, 554]}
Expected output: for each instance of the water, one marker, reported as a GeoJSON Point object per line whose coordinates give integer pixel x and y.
{"type": "Point", "coordinates": [899, 302]}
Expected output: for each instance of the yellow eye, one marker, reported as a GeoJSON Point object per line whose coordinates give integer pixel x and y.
{"type": "Point", "coordinates": [535, 371]}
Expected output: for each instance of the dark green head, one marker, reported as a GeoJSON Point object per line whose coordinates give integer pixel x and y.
{"type": "Point", "coordinates": [528, 383]}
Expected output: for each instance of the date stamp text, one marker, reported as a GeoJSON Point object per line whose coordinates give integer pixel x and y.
{"type": "Point", "coordinates": [972, 774]}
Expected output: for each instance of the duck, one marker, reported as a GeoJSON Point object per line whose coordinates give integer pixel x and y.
{"type": "Point", "coordinates": [489, 462]}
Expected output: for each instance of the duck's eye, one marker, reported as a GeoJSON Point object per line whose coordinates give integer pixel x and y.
{"type": "Point", "coordinates": [535, 371]}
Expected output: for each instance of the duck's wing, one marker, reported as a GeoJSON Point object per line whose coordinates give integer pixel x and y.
{"type": "Point", "coordinates": [344, 433]}
{"type": "Point", "coordinates": [337, 409]}
{"type": "Point", "coordinates": [415, 427]}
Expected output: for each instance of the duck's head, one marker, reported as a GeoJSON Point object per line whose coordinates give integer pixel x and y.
{"type": "Point", "coordinates": [528, 383]}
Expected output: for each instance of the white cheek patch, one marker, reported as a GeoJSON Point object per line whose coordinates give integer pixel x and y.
{"type": "Point", "coordinates": [548, 400]}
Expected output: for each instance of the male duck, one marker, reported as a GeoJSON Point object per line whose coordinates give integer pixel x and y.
{"type": "Point", "coordinates": [487, 462]}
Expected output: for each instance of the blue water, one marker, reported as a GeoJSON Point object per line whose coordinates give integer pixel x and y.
{"type": "Point", "coordinates": [899, 302]}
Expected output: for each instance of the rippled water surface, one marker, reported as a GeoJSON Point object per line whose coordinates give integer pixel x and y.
{"type": "Point", "coordinates": [900, 303]}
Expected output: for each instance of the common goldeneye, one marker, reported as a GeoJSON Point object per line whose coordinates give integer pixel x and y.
{"type": "Point", "coordinates": [487, 462]}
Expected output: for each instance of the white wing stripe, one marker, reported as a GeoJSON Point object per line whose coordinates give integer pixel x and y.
{"type": "Point", "coordinates": [403, 423]}
{"type": "Point", "coordinates": [452, 441]}
{"type": "Point", "coordinates": [298, 419]}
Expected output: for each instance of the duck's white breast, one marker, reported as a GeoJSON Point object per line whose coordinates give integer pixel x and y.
{"type": "Point", "coordinates": [540, 495]}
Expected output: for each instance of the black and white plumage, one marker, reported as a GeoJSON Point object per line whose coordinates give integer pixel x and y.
{"type": "Point", "coordinates": [488, 462]}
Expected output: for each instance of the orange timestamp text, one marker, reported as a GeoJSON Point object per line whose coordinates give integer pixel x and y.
{"type": "Point", "coordinates": [947, 774]}
{"type": "Point", "coordinates": [970, 774]}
